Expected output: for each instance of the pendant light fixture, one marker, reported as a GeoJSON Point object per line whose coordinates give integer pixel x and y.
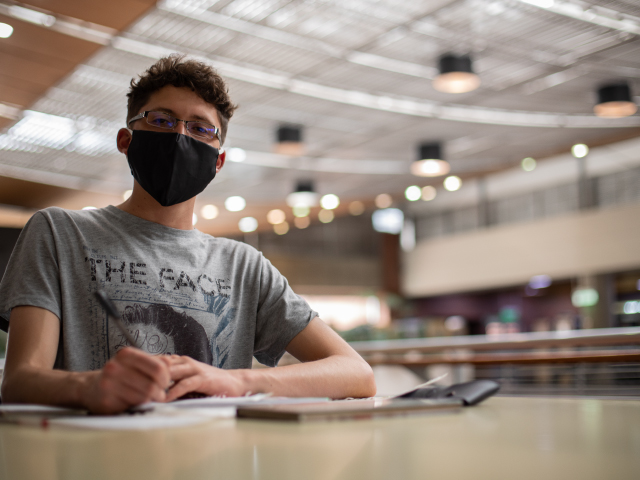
{"type": "Point", "coordinates": [614, 101]}
{"type": "Point", "coordinates": [289, 141]}
{"type": "Point", "coordinates": [456, 74]}
{"type": "Point", "coordinates": [304, 196]}
{"type": "Point", "coordinates": [430, 162]}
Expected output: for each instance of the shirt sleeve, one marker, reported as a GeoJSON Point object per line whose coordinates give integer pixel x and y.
{"type": "Point", "coordinates": [32, 274]}
{"type": "Point", "coordinates": [281, 315]}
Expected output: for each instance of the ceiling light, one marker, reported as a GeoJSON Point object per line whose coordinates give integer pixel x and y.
{"type": "Point", "coordinates": [235, 204]}
{"type": "Point", "coordinates": [281, 228]}
{"type": "Point", "coordinates": [430, 163]}
{"type": "Point", "coordinates": [209, 212]}
{"type": "Point", "coordinates": [540, 281]}
{"type": "Point", "coordinates": [584, 297]}
{"type": "Point", "coordinates": [428, 193]}
{"type": "Point", "coordinates": [248, 224]}
{"type": "Point", "coordinates": [579, 150]}
{"type": "Point", "coordinates": [304, 196]}
{"type": "Point", "coordinates": [302, 222]}
{"type": "Point", "coordinates": [127, 194]}
{"type": "Point", "coordinates": [456, 75]}
{"type": "Point", "coordinates": [383, 200]}
{"type": "Point", "coordinates": [528, 164]}
{"type": "Point", "coordinates": [330, 201]}
{"type": "Point", "coordinates": [452, 183]}
{"type": "Point", "coordinates": [301, 211]}
{"type": "Point", "coordinates": [289, 141]}
{"type": "Point", "coordinates": [274, 217]}
{"type": "Point", "coordinates": [326, 216]}
{"type": "Point", "coordinates": [5, 30]}
{"type": "Point", "coordinates": [413, 193]}
{"type": "Point", "coordinates": [357, 208]}
{"type": "Point", "coordinates": [194, 219]}
{"type": "Point", "coordinates": [388, 220]}
{"type": "Point", "coordinates": [237, 155]}
{"type": "Point", "coordinates": [614, 101]}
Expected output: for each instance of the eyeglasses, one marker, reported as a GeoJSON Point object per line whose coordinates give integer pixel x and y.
{"type": "Point", "coordinates": [169, 122]}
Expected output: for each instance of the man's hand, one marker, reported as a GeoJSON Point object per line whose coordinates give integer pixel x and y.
{"type": "Point", "coordinates": [190, 375]}
{"type": "Point", "coordinates": [130, 378]}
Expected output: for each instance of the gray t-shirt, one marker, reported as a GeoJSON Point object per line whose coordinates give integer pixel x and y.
{"type": "Point", "coordinates": [179, 291]}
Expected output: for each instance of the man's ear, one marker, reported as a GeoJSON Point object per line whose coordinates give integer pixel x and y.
{"type": "Point", "coordinates": [123, 140]}
{"type": "Point", "coordinates": [222, 156]}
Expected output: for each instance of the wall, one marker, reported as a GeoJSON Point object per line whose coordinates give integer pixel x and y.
{"type": "Point", "coordinates": [589, 242]}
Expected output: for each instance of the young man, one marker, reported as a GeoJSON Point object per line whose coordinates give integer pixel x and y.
{"type": "Point", "coordinates": [199, 307]}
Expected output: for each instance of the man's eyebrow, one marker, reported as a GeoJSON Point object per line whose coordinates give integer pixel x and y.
{"type": "Point", "coordinates": [195, 117]}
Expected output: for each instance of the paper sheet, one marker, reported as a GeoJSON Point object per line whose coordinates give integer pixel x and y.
{"type": "Point", "coordinates": [149, 421]}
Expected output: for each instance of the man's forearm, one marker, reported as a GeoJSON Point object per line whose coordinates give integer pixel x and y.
{"type": "Point", "coordinates": [337, 376]}
{"type": "Point", "coordinates": [47, 387]}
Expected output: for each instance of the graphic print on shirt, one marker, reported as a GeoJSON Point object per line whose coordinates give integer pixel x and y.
{"type": "Point", "coordinates": [167, 312]}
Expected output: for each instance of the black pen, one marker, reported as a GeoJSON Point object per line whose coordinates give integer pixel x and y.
{"type": "Point", "coordinates": [111, 309]}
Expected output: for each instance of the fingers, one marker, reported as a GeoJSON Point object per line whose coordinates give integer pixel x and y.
{"type": "Point", "coordinates": [129, 385]}
{"type": "Point", "coordinates": [154, 368]}
{"type": "Point", "coordinates": [183, 387]}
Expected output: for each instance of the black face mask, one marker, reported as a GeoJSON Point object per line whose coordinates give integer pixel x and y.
{"type": "Point", "coordinates": [171, 167]}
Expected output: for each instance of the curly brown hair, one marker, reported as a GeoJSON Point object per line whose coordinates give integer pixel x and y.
{"type": "Point", "coordinates": [180, 72]}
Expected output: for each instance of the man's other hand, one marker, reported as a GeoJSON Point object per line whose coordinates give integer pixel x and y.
{"type": "Point", "coordinates": [191, 375]}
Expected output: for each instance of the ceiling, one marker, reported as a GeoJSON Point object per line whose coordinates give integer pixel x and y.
{"type": "Point", "coordinates": [355, 74]}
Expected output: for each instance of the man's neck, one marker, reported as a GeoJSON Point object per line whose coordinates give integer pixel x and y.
{"type": "Point", "coordinates": [143, 205]}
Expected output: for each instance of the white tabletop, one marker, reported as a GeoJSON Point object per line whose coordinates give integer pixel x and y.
{"type": "Point", "coordinates": [503, 438]}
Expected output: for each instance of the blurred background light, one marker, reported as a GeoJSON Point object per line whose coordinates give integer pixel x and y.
{"type": "Point", "coordinates": [528, 164]}
{"type": "Point", "coordinates": [325, 216]}
{"type": "Point", "coordinates": [127, 194]}
{"type": "Point", "coordinates": [615, 101]}
{"type": "Point", "coordinates": [301, 211]}
{"type": "Point", "coordinates": [584, 297]}
{"type": "Point", "coordinates": [194, 219]}
{"type": "Point", "coordinates": [344, 312]}
{"type": "Point", "coordinates": [579, 150]}
{"type": "Point", "coordinates": [209, 212]}
{"type": "Point", "coordinates": [329, 201]}
{"type": "Point", "coordinates": [302, 222]}
{"type": "Point", "coordinates": [303, 196]}
{"type": "Point", "coordinates": [276, 216]}
{"type": "Point", "coordinates": [289, 141]}
{"type": "Point", "coordinates": [235, 203]}
{"type": "Point", "coordinates": [388, 220]}
{"type": "Point", "coordinates": [408, 235]}
{"type": "Point", "coordinates": [455, 323]}
{"type": "Point", "coordinates": [452, 183]}
{"type": "Point", "coordinates": [5, 30]}
{"type": "Point", "coordinates": [540, 281]}
{"type": "Point", "coordinates": [237, 155]}
{"type": "Point", "coordinates": [383, 200]}
{"type": "Point", "coordinates": [248, 224]}
{"type": "Point", "coordinates": [89, 208]}
{"type": "Point", "coordinates": [631, 307]}
{"type": "Point", "coordinates": [281, 228]}
{"type": "Point", "coordinates": [356, 208]}
{"type": "Point", "coordinates": [456, 74]}
{"type": "Point", "coordinates": [413, 193]}
{"type": "Point", "coordinates": [428, 193]}
{"type": "Point", "coordinates": [430, 162]}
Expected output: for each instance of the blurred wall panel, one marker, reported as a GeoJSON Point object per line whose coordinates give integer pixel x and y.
{"type": "Point", "coordinates": [578, 244]}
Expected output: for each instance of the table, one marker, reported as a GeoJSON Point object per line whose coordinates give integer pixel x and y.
{"type": "Point", "coordinates": [503, 438]}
